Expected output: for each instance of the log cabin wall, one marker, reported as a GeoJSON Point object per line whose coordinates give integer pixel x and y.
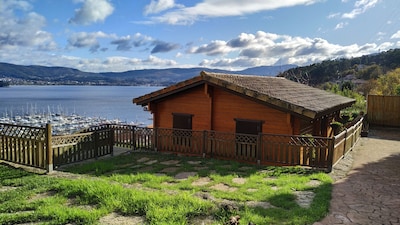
{"type": "Point", "coordinates": [193, 101]}
{"type": "Point", "coordinates": [214, 108]}
{"type": "Point", "coordinates": [227, 107]}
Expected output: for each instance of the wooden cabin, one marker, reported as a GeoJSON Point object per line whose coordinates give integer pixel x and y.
{"type": "Point", "coordinates": [244, 104]}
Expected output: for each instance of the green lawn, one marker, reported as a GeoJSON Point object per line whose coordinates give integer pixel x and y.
{"type": "Point", "coordinates": [164, 189]}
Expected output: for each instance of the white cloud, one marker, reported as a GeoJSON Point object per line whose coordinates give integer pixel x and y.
{"type": "Point", "coordinates": [222, 8]}
{"type": "Point", "coordinates": [267, 48]}
{"type": "Point", "coordinates": [87, 40]}
{"type": "Point", "coordinates": [23, 29]}
{"type": "Point", "coordinates": [395, 35]}
{"type": "Point", "coordinates": [341, 25]}
{"type": "Point", "coordinates": [157, 6]}
{"type": "Point", "coordinates": [360, 7]}
{"type": "Point", "coordinates": [214, 48]}
{"type": "Point", "coordinates": [92, 11]}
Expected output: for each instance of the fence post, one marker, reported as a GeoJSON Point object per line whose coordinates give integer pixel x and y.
{"type": "Point", "coordinates": [344, 144]}
{"type": "Point", "coordinates": [331, 149]}
{"type": "Point", "coordinates": [96, 144]}
{"type": "Point", "coordinates": [133, 138]}
{"type": "Point", "coordinates": [204, 143]}
{"type": "Point", "coordinates": [259, 148]}
{"type": "Point", "coordinates": [155, 133]}
{"type": "Point", "coordinates": [49, 149]}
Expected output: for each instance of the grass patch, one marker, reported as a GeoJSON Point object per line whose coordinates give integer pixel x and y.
{"type": "Point", "coordinates": [153, 186]}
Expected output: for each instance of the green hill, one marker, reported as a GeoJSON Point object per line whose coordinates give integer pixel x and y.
{"type": "Point", "coordinates": [364, 67]}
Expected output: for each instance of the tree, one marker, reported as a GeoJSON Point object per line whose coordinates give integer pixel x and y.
{"type": "Point", "coordinates": [398, 90]}
{"type": "Point", "coordinates": [367, 87]}
{"type": "Point", "coordinates": [370, 72]}
{"type": "Point", "coordinates": [388, 83]}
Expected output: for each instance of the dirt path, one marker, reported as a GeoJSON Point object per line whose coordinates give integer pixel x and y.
{"type": "Point", "coordinates": [370, 193]}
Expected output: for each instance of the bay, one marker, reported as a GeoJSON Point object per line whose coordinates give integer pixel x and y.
{"type": "Point", "coordinates": [109, 102]}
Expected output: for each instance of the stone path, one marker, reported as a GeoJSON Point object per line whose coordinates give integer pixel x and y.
{"type": "Point", "coordinates": [370, 193]}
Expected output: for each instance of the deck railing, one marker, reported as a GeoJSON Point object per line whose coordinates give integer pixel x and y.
{"type": "Point", "coordinates": [346, 140]}
{"type": "Point", "coordinates": [36, 147]}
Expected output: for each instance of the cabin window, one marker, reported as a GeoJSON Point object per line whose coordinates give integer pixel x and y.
{"type": "Point", "coordinates": [246, 137]}
{"type": "Point", "coordinates": [182, 132]}
{"type": "Point", "coordinates": [182, 121]}
{"type": "Point", "coordinates": [248, 126]}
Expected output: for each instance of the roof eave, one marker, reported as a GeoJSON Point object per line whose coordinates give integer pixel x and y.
{"type": "Point", "coordinates": [336, 108]}
{"type": "Point", "coordinates": [170, 90]}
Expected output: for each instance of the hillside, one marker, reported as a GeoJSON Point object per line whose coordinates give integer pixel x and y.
{"type": "Point", "coordinates": [41, 75]}
{"type": "Point", "coordinates": [364, 68]}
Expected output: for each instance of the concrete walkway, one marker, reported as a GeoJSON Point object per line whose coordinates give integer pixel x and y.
{"type": "Point", "coordinates": [370, 193]}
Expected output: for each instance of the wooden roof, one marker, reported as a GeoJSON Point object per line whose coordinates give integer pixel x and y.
{"type": "Point", "coordinates": [277, 92]}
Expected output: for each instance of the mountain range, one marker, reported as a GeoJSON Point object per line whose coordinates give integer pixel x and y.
{"type": "Point", "coordinates": [365, 67]}
{"type": "Point", "coordinates": [42, 75]}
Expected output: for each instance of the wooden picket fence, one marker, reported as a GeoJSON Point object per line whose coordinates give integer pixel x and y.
{"type": "Point", "coordinates": [36, 147]}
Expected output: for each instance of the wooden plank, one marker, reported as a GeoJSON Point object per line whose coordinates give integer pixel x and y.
{"type": "Point", "coordinates": [383, 110]}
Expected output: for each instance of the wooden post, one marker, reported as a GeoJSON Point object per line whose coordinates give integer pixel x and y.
{"type": "Point", "coordinates": [96, 143]}
{"type": "Point", "coordinates": [344, 145]}
{"type": "Point", "coordinates": [111, 131]}
{"type": "Point", "coordinates": [133, 138]}
{"type": "Point", "coordinates": [331, 149]}
{"type": "Point", "coordinates": [49, 148]}
{"type": "Point", "coordinates": [259, 148]}
{"type": "Point", "coordinates": [204, 143]}
{"type": "Point", "coordinates": [155, 133]}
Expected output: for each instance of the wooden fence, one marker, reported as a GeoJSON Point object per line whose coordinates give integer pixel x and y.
{"type": "Point", "coordinates": [264, 149]}
{"type": "Point", "coordinates": [346, 140]}
{"type": "Point", "coordinates": [383, 110]}
{"type": "Point", "coordinates": [25, 145]}
{"type": "Point", "coordinates": [36, 147]}
{"type": "Point", "coordinates": [82, 146]}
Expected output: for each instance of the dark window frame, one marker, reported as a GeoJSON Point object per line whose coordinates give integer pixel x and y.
{"type": "Point", "coordinates": [179, 124]}
{"type": "Point", "coordinates": [247, 122]}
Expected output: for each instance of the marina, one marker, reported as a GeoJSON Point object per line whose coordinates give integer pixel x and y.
{"type": "Point", "coordinates": [62, 124]}
{"type": "Point", "coordinates": [72, 108]}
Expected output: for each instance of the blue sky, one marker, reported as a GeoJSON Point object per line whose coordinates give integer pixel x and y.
{"type": "Point", "coordinates": [121, 35]}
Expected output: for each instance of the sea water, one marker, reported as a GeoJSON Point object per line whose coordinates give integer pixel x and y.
{"type": "Point", "coordinates": [109, 102]}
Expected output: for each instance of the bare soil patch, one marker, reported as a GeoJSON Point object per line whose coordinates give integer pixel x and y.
{"type": "Point", "coordinates": [194, 162]}
{"type": "Point", "coordinates": [201, 181]}
{"type": "Point", "coordinates": [314, 183]}
{"type": "Point", "coordinates": [151, 162]}
{"type": "Point", "coordinates": [223, 187]}
{"type": "Point", "coordinates": [170, 162]}
{"type": "Point", "coordinates": [169, 170]}
{"type": "Point", "coordinates": [239, 180]}
{"type": "Point", "coordinates": [117, 219]}
{"type": "Point", "coordinates": [41, 196]}
{"type": "Point", "coordinates": [304, 198]}
{"type": "Point", "coordinates": [185, 175]}
{"type": "Point", "coordinates": [144, 159]}
{"type": "Point", "coordinates": [264, 205]}
{"type": "Point", "coordinates": [7, 188]}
